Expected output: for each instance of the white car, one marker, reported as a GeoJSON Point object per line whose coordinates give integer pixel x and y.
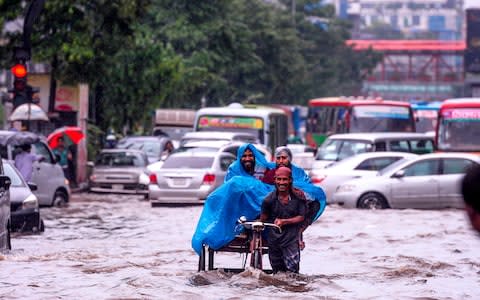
{"type": "Point", "coordinates": [188, 177]}
{"type": "Point", "coordinates": [428, 181]}
{"type": "Point", "coordinates": [303, 155]}
{"type": "Point", "coordinates": [357, 166]}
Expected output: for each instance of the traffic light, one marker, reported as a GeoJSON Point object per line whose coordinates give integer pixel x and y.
{"type": "Point", "coordinates": [20, 86]}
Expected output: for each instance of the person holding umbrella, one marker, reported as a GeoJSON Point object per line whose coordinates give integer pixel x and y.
{"type": "Point", "coordinates": [65, 158]}
{"type": "Point", "coordinates": [63, 140]}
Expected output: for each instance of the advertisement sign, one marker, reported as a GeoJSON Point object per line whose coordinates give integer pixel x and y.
{"type": "Point", "coordinates": [66, 97]}
{"type": "Point", "coordinates": [230, 122]}
{"type": "Point", "coordinates": [454, 115]}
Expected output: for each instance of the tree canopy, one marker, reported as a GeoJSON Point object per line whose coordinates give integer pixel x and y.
{"type": "Point", "coordinates": [138, 55]}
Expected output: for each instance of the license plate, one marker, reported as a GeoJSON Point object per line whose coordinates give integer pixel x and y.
{"type": "Point", "coordinates": [179, 181]}
{"type": "Point", "coordinates": [117, 186]}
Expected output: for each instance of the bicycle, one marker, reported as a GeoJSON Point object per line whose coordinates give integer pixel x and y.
{"type": "Point", "coordinates": [249, 242]}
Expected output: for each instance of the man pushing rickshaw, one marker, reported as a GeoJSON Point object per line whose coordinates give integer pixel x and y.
{"type": "Point", "coordinates": [248, 182]}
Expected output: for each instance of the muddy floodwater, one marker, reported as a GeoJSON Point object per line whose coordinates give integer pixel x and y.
{"type": "Point", "coordinates": [118, 247]}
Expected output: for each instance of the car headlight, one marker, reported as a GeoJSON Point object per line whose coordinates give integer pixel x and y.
{"type": "Point", "coordinates": [346, 188]}
{"type": "Point", "coordinates": [30, 202]}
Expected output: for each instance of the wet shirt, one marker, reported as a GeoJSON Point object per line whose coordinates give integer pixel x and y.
{"type": "Point", "coordinates": [274, 209]}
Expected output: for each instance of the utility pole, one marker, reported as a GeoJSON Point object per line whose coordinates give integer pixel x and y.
{"type": "Point", "coordinates": [294, 11]}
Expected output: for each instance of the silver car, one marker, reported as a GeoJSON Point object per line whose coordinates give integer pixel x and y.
{"type": "Point", "coordinates": [156, 147]}
{"type": "Point", "coordinates": [357, 166]}
{"type": "Point", "coordinates": [428, 181]}
{"type": "Point", "coordinates": [188, 177]}
{"type": "Point", "coordinates": [25, 210]}
{"type": "Point", "coordinates": [119, 171]}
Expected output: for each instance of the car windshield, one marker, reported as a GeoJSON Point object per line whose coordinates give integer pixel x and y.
{"type": "Point", "coordinates": [120, 159]}
{"type": "Point", "coordinates": [151, 148]}
{"type": "Point", "coordinates": [14, 177]}
{"type": "Point", "coordinates": [339, 149]}
{"type": "Point", "coordinates": [174, 132]}
{"type": "Point", "coordinates": [392, 166]}
{"type": "Point", "coordinates": [191, 162]}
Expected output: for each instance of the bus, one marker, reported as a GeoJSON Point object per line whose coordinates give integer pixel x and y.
{"type": "Point", "coordinates": [327, 116]}
{"type": "Point", "coordinates": [270, 125]}
{"type": "Point", "coordinates": [296, 115]}
{"type": "Point", "coordinates": [458, 126]}
{"type": "Point", "coordinates": [426, 115]}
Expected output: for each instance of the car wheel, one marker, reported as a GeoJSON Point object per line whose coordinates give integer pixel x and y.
{"type": "Point", "coordinates": [372, 201]}
{"type": "Point", "coordinates": [60, 199]}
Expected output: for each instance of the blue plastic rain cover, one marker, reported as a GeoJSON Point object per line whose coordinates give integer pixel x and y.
{"type": "Point", "coordinates": [242, 195]}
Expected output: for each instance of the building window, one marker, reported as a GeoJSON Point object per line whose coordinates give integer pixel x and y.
{"type": "Point", "coordinates": [394, 21]}
{"type": "Point", "coordinates": [416, 20]}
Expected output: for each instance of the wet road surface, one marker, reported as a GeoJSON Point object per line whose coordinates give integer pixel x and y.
{"type": "Point", "coordinates": [118, 247]}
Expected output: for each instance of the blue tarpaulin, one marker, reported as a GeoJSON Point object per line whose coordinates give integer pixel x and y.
{"type": "Point", "coordinates": [242, 195]}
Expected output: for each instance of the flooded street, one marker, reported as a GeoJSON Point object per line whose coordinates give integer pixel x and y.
{"type": "Point", "coordinates": [118, 247]}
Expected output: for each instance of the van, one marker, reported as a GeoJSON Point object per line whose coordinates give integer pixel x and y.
{"type": "Point", "coordinates": [339, 146]}
{"type": "Point", "coordinates": [52, 187]}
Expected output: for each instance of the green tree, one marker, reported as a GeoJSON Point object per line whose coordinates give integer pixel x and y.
{"type": "Point", "coordinates": [140, 55]}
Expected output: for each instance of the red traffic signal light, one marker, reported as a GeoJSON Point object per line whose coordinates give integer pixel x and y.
{"type": "Point", "coordinates": [19, 71]}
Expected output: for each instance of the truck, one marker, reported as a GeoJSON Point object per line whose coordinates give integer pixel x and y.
{"type": "Point", "coordinates": [173, 122]}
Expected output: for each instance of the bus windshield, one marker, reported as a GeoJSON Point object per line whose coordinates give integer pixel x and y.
{"type": "Point", "coordinates": [380, 118]}
{"type": "Point", "coordinates": [459, 129]}
{"type": "Point", "coordinates": [426, 120]}
{"type": "Point", "coordinates": [251, 125]}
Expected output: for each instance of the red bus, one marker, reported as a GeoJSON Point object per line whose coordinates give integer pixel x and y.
{"type": "Point", "coordinates": [458, 127]}
{"type": "Point", "coordinates": [332, 115]}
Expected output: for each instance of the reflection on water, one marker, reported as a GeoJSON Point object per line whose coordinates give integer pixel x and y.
{"type": "Point", "coordinates": [111, 247]}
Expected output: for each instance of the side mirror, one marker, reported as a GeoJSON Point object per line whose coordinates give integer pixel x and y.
{"type": "Point", "coordinates": [399, 174]}
{"type": "Point", "coordinates": [5, 182]}
{"type": "Point", "coordinates": [32, 186]}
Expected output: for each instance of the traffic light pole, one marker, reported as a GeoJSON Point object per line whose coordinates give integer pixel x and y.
{"type": "Point", "coordinates": [22, 92]}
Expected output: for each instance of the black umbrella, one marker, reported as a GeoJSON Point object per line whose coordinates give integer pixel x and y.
{"type": "Point", "coordinates": [17, 138]}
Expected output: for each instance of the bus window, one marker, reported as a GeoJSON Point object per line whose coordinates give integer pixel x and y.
{"type": "Point", "coordinates": [367, 118]}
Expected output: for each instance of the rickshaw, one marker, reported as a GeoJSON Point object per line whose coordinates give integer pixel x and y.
{"type": "Point", "coordinates": [248, 242]}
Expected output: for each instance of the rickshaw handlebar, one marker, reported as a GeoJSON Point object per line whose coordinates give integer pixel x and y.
{"type": "Point", "coordinates": [258, 225]}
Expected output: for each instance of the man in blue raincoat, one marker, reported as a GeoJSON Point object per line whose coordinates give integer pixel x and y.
{"type": "Point", "coordinates": [242, 194]}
